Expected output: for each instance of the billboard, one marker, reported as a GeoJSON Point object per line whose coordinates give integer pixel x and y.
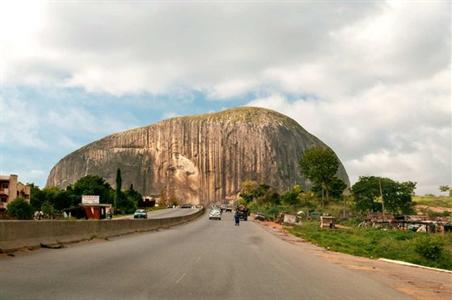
{"type": "Point", "coordinates": [90, 199]}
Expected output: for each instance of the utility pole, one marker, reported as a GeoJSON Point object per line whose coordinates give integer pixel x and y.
{"type": "Point", "coordinates": [382, 200]}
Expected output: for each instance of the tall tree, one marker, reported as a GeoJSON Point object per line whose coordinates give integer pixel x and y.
{"type": "Point", "coordinates": [133, 196]}
{"type": "Point", "coordinates": [444, 188]}
{"type": "Point", "coordinates": [37, 197]}
{"type": "Point", "coordinates": [396, 195]}
{"type": "Point", "coordinates": [118, 187]}
{"type": "Point", "coordinates": [319, 165]}
{"type": "Point", "coordinates": [90, 185]}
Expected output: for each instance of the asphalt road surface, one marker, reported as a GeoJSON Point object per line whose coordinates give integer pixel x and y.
{"type": "Point", "coordinates": [165, 213]}
{"type": "Point", "coordinates": [171, 212]}
{"type": "Point", "coordinates": [199, 260]}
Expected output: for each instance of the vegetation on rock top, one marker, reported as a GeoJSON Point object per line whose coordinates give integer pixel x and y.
{"type": "Point", "coordinates": [245, 114]}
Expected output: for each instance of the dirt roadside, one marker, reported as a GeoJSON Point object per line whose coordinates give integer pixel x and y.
{"type": "Point", "coordinates": [418, 283]}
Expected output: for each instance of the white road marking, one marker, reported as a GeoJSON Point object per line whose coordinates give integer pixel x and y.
{"type": "Point", "coordinates": [183, 275]}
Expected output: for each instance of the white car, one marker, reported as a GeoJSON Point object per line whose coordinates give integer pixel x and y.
{"type": "Point", "coordinates": [140, 214]}
{"type": "Point", "coordinates": [215, 213]}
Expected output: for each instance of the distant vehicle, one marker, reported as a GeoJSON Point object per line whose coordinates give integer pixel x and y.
{"type": "Point", "coordinates": [140, 214]}
{"type": "Point", "coordinates": [215, 213]}
{"type": "Point", "coordinates": [260, 217]}
{"type": "Point", "coordinates": [186, 206]}
{"type": "Point", "coordinates": [243, 212]}
{"type": "Point", "coordinates": [228, 208]}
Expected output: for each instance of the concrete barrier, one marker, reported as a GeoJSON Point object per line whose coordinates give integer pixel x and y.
{"type": "Point", "coordinates": [16, 235]}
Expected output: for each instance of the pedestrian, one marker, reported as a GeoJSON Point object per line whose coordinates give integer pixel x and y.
{"type": "Point", "coordinates": [237, 218]}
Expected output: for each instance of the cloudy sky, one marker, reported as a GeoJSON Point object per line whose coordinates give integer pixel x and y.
{"type": "Point", "coordinates": [371, 79]}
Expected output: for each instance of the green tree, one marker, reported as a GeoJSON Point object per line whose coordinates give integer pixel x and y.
{"type": "Point", "coordinates": [48, 209]}
{"type": "Point", "coordinates": [133, 195]}
{"type": "Point", "coordinates": [338, 187]}
{"type": "Point", "coordinates": [444, 188]}
{"type": "Point", "coordinates": [320, 166]}
{"type": "Point", "coordinates": [251, 190]}
{"type": "Point", "coordinates": [126, 206]}
{"type": "Point", "coordinates": [267, 195]}
{"type": "Point", "coordinates": [248, 190]}
{"type": "Point", "coordinates": [118, 192]}
{"type": "Point", "coordinates": [37, 196]}
{"type": "Point", "coordinates": [132, 198]}
{"type": "Point", "coordinates": [290, 198]}
{"type": "Point", "coordinates": [20, 209]}
{"type": "Point", "coordinates": [63, 200]}
{"type": "Point", "coordinates": [90, 185]}
{"type": "Point", "coordinates": [396, 195]}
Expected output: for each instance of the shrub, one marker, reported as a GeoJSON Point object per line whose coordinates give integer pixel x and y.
{"type": "Point", "coordinates": [20, 209]}
{"type": "Point", "coordinates": [290, 198]}
{"type": "Point", "coordinates": [47, 209]}
{"type": "Point", "coordinates": [126, 206]}
{"type": "Point", "coordinates": [429, 248]}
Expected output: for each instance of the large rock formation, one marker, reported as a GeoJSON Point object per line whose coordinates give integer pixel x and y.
{"type": "Point", "coordinates": [197, 159]}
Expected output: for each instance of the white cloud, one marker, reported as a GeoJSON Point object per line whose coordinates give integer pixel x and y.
{"type": "Point", "coordinates": [119, 48]}
{"type": "Point", "coordinates": [170, 114]}
{"type": "Point", "coordinates": [232, 88]}
{"type": "Point", "coordinates": [372, 79]}
{"type": "Point", "coordinates": [401, 131]}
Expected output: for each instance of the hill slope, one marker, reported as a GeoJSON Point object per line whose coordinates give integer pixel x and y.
{"type": "Point", "coordinates": [198, 159]}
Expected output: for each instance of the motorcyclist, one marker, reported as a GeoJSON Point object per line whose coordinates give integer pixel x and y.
{"type": "Point", "coordinates": [237, 218]}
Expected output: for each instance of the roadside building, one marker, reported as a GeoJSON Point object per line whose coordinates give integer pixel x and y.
{"type": "Point", "coordinates": [96, 211]}
{"type": "Point", "coordinates": [11, 188]}
{"type": "Point", "coordinates": [148, 201]}
{"type": "Point", "coordinates": [93, 209]}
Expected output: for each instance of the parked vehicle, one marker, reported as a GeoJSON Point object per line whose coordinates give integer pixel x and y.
{"type": "Point", "coordinates": [140, 214]}
{"type": "Point", "coordinates": [215, 213]}
{"type": "Point", "coordinates": [225, 208]}
{"type": "Point", "coordinates": [260, 217]}
{"type": "Point", "coordinates": [187, 205]}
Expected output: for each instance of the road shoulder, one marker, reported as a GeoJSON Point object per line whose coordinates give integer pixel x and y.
{"type": "Point", "coordinates": [418, 283]}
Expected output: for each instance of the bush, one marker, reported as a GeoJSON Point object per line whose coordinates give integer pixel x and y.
{"type": "Point", "coordinates": [48, 209]}
{"type": "Point", "coordinates": [290, 198]}
{"type": "Point", "coordinates": [20, 209]}
{"type": "Point", "coordinates": [429, 248]}
{"type": "Point", "coordinates": [126, 206]}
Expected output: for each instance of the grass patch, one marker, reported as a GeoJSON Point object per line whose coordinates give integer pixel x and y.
{"type": "Point", "coordinates": [418, 248]}
{"type": "Point", "coordinates": [433, 201]}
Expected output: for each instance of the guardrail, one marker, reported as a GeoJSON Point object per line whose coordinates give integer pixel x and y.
{"type": "Point", "coordinates": [15, 235]}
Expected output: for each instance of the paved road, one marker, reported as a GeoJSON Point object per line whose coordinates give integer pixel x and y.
{"type": "Point", "coordinates": [165, 213]}
{"type": "Point", "coordinates": [171, 212]}
{"type": "Point", "coordinates": [200, 260]}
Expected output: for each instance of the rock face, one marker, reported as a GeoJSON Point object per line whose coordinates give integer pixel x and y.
{"type": "Point", "coordinates": [197, 159]}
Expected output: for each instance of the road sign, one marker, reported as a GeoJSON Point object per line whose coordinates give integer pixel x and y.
{"type": "Point", "coordinates": [90, 199]}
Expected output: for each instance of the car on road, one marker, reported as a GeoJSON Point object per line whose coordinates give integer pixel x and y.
{"type": "Point", "coordinates": [140, 214]}
{"type": "Point", "coordinates": [215, 213]}
{"type": "Point", "coordinates": [187, 205]}
{"type": "Point", "coordinates": [260, 217]}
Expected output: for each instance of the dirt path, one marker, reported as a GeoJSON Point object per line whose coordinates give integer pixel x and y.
{"type": "Point", "coordinates": [419, 283]}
